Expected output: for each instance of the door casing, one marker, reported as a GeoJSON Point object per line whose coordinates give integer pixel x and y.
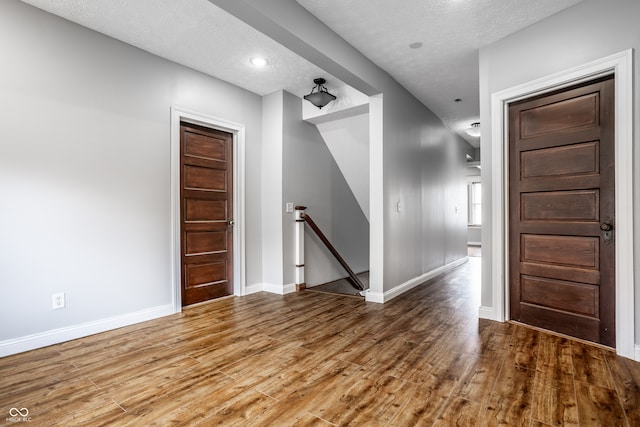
{"type": "Point", "coordinates": [178, 115]}
{"type": "Point", "coordinates": [621, 66]}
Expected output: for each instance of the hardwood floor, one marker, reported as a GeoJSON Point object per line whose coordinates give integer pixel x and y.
{"type": "Point", "coordinates": [320, 359]}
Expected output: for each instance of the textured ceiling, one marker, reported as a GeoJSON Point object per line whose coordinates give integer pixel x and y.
{"type": "Point", "coordinates": [199, 35]}
{"type": "Point", "coordinates": [445, 67]}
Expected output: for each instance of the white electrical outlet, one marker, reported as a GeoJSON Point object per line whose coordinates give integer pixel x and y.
{"type": "Point", "coordinates": [289, 207]}
{"type": "Point", "coordinates": [57, 301]}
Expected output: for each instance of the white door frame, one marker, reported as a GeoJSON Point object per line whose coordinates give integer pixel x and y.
{"type": "Point", "coordinates": [620, 65]}
{"type": "Point", "coordinates": [178, 115]}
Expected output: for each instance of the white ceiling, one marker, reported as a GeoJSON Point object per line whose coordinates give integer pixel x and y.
{"type": "Point", "coordinates": [200, 35]}
{"type": "Point", "coordinates": [451, 32]}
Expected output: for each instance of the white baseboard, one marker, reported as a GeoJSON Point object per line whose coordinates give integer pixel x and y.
{"type": "Point", "coordinates": [637, 353]}
{"type": "Point", "coordinates": [252, 289]}
{"type": "Point", "coordinates": [488, 313]}
{"type": "Point", "coordinates": [412, 283]}
{"type": "Point", "coordinates": [279, 289]}
{"type": "Point", "coordinates": [56, 336]}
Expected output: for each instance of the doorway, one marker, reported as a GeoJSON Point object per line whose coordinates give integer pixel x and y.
{"type": "Point", "coordinates": [562, 210]}
{"type": "Point", "coordinates": [206, 206]}
{"type": "Point", "coordinates": [496, 303]}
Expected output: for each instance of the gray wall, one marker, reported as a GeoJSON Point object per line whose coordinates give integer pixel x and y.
{"type": "Point", "coordinates": [403, 162]}
{"type": "Point", "coordinates": [348, 142]}
{"type": "Point", "coordinates": [272, 204]}
{"type": "Point", "coordinates": [312, 178]}
{"type": "Point", "coordinates": [585, 32]}
{"type": "Point", "coordinates": [424, 170]}
{"type": "Point", "coordinates": [85, 174]}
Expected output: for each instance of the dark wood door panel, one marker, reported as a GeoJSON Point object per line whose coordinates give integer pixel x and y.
{"type": "Point", "coordinates": [561, 186]}
{"type": "Point", "coordinates": [569, 205]}
{"type": "Point", "coordinates": [562, 295]}
{"type": "Point", "coordinates": [576, 159]}
{"type": "Point", "coordinates": [586, 328]}
{"type": "Point", "coordinates": [205, 210]}
{"type": "Point", "coordinates": [562, 115]}
{"type": "Point", "coordinates": [568, 251]}
{"type": "Point", "coordinates": [204, 178]}
{"type": "Point", "coordinates": [205, 147]}
{"type": "Point", "coordinates": [560, 272]}
{"type": "Point", "coordinates": [206, 207]}
{"type": "Point", "coordinates": [206, 273]}
{"type": "Point", "coordinates": [205, 242]}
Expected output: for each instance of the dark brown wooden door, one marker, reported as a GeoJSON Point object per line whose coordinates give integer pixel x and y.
{"type": "Point", "coordinates": [206, 186]}
{"type": "Point", "coordinates": [561, 190]}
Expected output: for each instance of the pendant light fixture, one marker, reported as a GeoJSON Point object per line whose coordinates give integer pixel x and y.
{"type": "Point", "coordinates": [474, 130]}
{"type": "Point", "coordinates": [319, 95]}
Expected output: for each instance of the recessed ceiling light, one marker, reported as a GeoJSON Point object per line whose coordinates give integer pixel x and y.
{"type": "Point", "coordinates": [416, 45]}
{"type": "Point", "coordinates": [258, 62]}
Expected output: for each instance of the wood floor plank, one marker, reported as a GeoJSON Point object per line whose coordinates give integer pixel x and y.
{"type": "Point", "coordinates": [312, 359]}
{"type": "Point", "coordinates": [458, 412]}
{"type": "Point", "coordinates": [510, 402]}
{"type": "Point", "coordinates": [289, 413]}
{"type": "Point", "coordinates": [589, 365]}
{"type": "Point", "coordinates": [555, 358]}
{"type": "Point", "coordinates": [365, 401]}
{"type": "Point", "coordinates": [231, 406]}
{"type": "Point", "coordinates": [300, 380]}
{"type": "Point", "coordinates": [626, 376]}
{"type": "Point", "coordinates": [554, 403]}
{"type": "Point", "coordinates": [479, 378]}
{"type": "Point", "coordinates": [524, 349]}
{"type": "Point", "coordinates": [599, 406]}
{"type": "Point", "coordinates": [422, 408]}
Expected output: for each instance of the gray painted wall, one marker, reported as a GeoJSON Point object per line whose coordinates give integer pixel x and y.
{"type": "Point", "coordinates": [313, 179]}
{"type": "Point", "coordinates": [403, 245]}
{"type": "Point", "coordinates": [348, 142]}
{"type": "Point", "coordinates": [272, 204]}
{"type": "Point", "coordinates": [85, 174]}
{"type": "Point", "coordinates": [585, 32]}
{"type": "Point", "coordinates": [424, 170]}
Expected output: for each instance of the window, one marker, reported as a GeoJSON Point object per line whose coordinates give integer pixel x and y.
{"type": "Point", "coordinates": [474, 190]}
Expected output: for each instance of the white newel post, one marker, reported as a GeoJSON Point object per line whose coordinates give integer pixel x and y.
{"type": "Point", "coordinates": [300, 284]}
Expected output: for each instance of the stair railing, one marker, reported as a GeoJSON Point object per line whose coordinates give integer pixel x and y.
{"type": "Point", "coordinates": [301, 218]}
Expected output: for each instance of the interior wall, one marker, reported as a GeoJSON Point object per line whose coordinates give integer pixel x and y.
{"type": "Point", "coordinates": [406, 244]}
{"type": "Point", "coordinates": [312, 178]}
{"type": "Point", "coordinates": [272, 204]}
{"type": "Point", "coordinates": [424, 189]}
{"type": "Point", "coordinates": [348, 142]}
{"type": "Point", "coordinates": [588, 31]}
{"type": "Point", "coordinates": [85, 171]}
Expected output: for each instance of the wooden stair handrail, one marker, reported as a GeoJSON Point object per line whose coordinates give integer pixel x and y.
{"type": "Point", "coordinates": [354, 279]}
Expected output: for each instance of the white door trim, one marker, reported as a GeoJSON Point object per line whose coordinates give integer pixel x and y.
{"type": "Point", "coordinates": [179, 114]}
{"type": "Point", "coordinates": [621, 65]}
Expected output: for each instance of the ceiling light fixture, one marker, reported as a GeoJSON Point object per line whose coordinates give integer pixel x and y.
{"type": "Point", "coordinates": [258, 62]}
{"type": "Point", "coordinates": [321, 96]}
{"type": "Point", "coordinates": [474, 130]}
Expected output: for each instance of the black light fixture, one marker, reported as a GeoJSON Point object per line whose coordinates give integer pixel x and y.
{"type": "Point", "coordinates": [321, 96]}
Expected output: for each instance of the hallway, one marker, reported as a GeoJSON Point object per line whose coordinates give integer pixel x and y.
{"type": "Point", "coordinates": [319, 359]}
